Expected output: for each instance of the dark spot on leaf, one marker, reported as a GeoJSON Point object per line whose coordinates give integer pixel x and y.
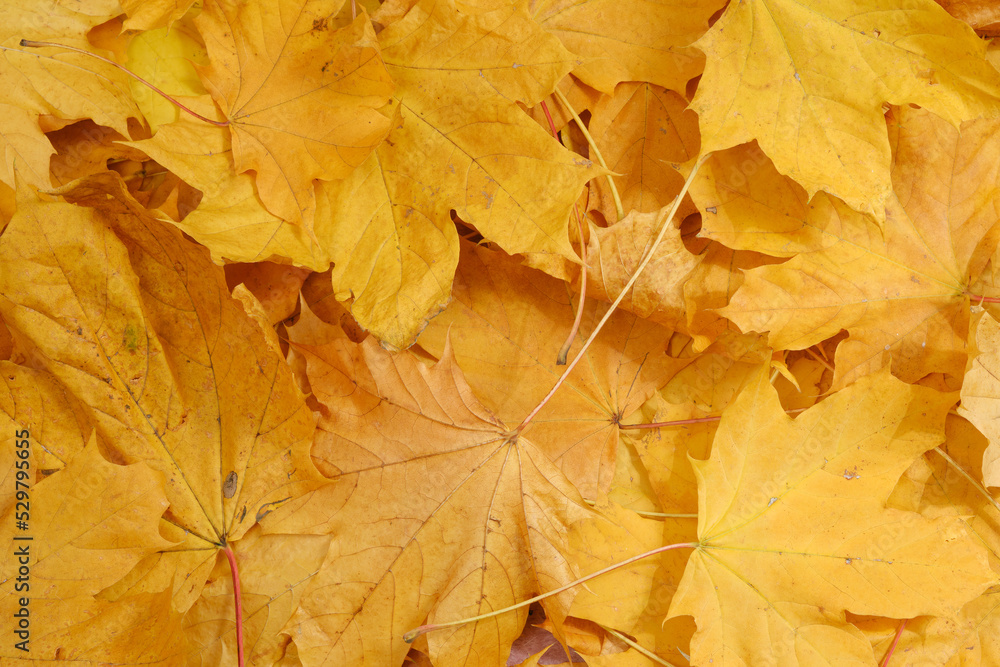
{"type": "Point", "coordinates": [229, 486]}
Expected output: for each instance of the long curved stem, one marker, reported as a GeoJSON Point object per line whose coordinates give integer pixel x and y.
{"type": "Point", "coordinates": [564, 350]}
{"type": "Point", "coordinates": [682, 422]}
{"type": "Point", "coordinates": [677, 422]}
{"type": "Point", "coordinates": [32, 44]}
{"type": "Point", "coordinates": [635, 276]}
{"type": "Point", "coordinates": [416, 632]}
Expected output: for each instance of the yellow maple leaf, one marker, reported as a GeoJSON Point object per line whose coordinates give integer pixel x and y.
{"type": "Point", "coordinates": [174, 372]}
{"type": "Point", "coordinates": [90, 523]}
{"type": "Point", "coordinates": [48, 80]}
{"type": "Point", "coordinates": [274, 572]}
{"type": "Point", "coordinates": [746, 203]}
{"type": "Point", "coordinates": [711, 286]}
{"type": "Point", "coordinates": [794, 530]}
{"type": "Point", "coordinates": [812, 538]}
{"type": "Point", "coordinates": [488, 160]}
{"type": "Point", "coordinates": [166, 58]}
{"type": "Point", "coordinates": [25, 144]}
{"type": "Point", "coordinates": [301, 96]}
{"type": "Point", "coordinates": [787, 74]}
{"type": "Point", "coordinates": [93, 521]}
{"type": "Point", "coordinates": [33, 399]}
{"type": "Point", "coordinates": [143, 629]}
{"type": "Point", "coordinates": [699, 391]}
{"type": "Point", "coordinates": [638, 40]}
{"type": "Point", "coordinates": [230, 219]}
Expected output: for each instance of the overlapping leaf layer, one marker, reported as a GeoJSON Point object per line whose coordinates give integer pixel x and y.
{"type": "Point", "coordinates": [287, 289]}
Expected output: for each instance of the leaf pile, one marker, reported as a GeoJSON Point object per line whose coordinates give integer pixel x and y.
{"type": "Point", "coordinates": [297, 327]}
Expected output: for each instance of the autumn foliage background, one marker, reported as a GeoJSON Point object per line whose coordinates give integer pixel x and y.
{"type": "Point", "coordinates": [315, 324]}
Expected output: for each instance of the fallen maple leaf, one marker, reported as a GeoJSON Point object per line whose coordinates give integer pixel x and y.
{"type": "Point", "coordinates": [806, 513]}
{"type": "Point", "coordinates": [458, 76]}
{"type": "Point", "coordinates": [25, 144]}
{"type": "Point", "coordinates": [117, 509]}
{"type": "Point", "coordinates": [490, 161]}
{"type": "Point", "coordinates": [301, 96]}
{"type": "Point", "coordinates": [639, 40]}
{"type": "Point", "coordinates": [510, 360]}
{"type": "Point", "coordinates": [177, 377]}
{"type": "Point", "coordinates": [274, 571]}
{"type": "Point", "coordinates": [142, 629]}
{"type": "Point", "coordinates": [166, 58]}
{"type": "Point", "coordinates": [92, 522]}
{"type": "Point", "coordinates": [230, 219]}
{"type": "Point", "coordinates": [785, 74]}
{"type": "Point", "coordinates": [745, 203]}
{"type": "Point", "coordinates": [437, 507]}
{"type": "Point", "coordinates": [698, 392]}
{"type": "Point", "coordinates": [56, 418]}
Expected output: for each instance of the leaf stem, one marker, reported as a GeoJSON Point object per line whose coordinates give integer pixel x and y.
{"type": "Point", "coordinates": [899, 632]}
{"type": "Point", "coordinates": [239, 602]}
{"type": "Point", "coordinates": [654, 515]}
{"type": "Point", "coordinates": [564, 351]}
{"type": "Point", "coordinates": [638, 647]}
{"type": "Point", "coordinates": [548, 116]}
{"type": "Point", "coordinates": [981, 299]}
{"type": "Point", "coordinates": [678, 422]}
{"type": "Point", "coordinates": [979, 487]}
{"type": "Point", "coordinates": [597, 152]}
{"type": "Point", "coordinates": [32, 44]}
{"type": "Point", "coordinates": [416, 632]}
{"type": "Point", "coordinates": [820, 359]}
{"type": "Point", "coordinates": [635, 276]}
{"type": "Point", "coordinates": [681, 422]}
